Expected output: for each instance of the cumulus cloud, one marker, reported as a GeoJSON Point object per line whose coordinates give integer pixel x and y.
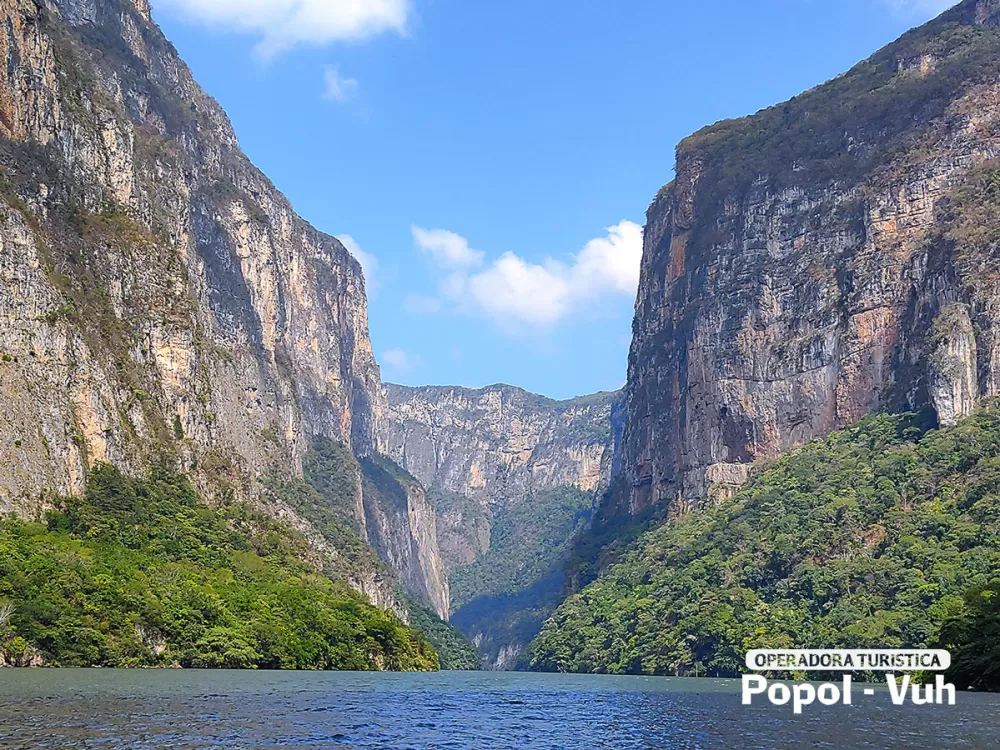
{"type": "Point", "coordinates": [369, 263]}
{"type": "Point", "coordinates": [399, 360]}
{"type": "Point", "coordinates": [281, 24]}
{"type": "Point", "coordinates": [516, 292]}
{"type": "Point", "coordinates": [448, 249]}
{"type": "Point", "coordinates": [335, 87]}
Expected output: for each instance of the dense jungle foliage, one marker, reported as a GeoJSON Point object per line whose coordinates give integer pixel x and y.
{"type": "Point", "coordinates": [138, 572]}
{"type": "Point", "coordinates": [526, 541]}
{"type": "Point", "coordinates": [880, 535]}
{"type": "Point", "coordinates": [973, 637]}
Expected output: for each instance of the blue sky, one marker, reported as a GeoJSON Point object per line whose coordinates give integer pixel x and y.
{"type": "Point", "coordinates": [491, 162]}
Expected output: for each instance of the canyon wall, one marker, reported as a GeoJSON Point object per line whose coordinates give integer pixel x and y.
{"type": "Point", "coordinates": [513, 478]}
{"type": "Point", "coordinates": [162, 302]}
{"type": "Point", "coordinates": [827, 257]}
{"type": "Point", "coordinates": [495, 447]}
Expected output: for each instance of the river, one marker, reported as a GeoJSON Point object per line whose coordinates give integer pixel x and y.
{"type": "Point", "coordinates": [194, 709]}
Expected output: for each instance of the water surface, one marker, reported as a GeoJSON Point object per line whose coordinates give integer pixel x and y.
{"type": "Point", "coordinates": [193, 709]}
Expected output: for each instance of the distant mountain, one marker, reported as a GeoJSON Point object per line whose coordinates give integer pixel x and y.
{"type": "Point", "coordinates": [512, 477]}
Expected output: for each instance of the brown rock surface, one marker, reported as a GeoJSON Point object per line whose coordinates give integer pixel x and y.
{"type": "Point", "coordinates": [819, 260]}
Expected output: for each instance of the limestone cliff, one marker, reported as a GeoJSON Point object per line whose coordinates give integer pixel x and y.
{"type": "Point", "coordinates": [819, 260]}
{"type": "Point", "coordinates": [513, 477]}
{"type": "Point", "coordinates": [160, 291]}
{"type": "Point", "coordinates": [162, 302]}
{"type": "Point", "coordinates": [402, 528]}
{"type": "Point", "coordinates": [495, 446]}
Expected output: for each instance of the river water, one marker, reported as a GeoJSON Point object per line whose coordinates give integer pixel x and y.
{"type": "Point", "coordinates": [193, 709]}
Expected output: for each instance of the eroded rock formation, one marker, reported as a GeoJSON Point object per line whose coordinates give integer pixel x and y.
{"type": "Point", "coordinates": [495, 447]}
{"type": "Point", "coordinates": [513, 477]}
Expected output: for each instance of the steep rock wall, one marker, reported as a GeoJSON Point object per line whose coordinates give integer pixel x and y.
{"type": "Point", "coordinates": [495, 447]}
{"type": "Point", "coordinates": [400, 524]}
{"type": "Point", "coordinates": [161, 294]}
{"type": "Point", "coordinates": [162, 302]}
{"type": "Point", "coordinates": [819, 260]}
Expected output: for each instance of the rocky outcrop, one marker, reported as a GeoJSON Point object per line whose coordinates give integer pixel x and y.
{"type": "Point", "coordinates": [400, 524]}
{"type": "Point", "coordinates": [161, 296]}
{"type": "Point", "coordinates": [953, 378]}
{"type": "Point", "coordinates": [824, 258]}
{"type": "Point", "coordinates": [483, 451]}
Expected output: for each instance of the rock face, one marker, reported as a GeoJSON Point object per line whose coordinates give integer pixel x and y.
{"type": "Point", "coordinates": [161, 299]}
{"type": "Point", "coordinates": [495, 446]}
{"type": "Point", "coordinates": [400, 524]}
{"type": "Point", "coordinates": [512, 477]}
{"type": "Point", "coordinates": [819, 260]}
{"type": "Point", "coordinates": [160, 291]}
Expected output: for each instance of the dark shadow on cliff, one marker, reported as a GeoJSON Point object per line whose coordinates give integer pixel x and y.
{"type": "Point", "coordinates": [502, 626]}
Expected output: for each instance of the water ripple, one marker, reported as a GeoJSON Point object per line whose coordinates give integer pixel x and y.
{"type": "Point", "coordinates": [452, 711]}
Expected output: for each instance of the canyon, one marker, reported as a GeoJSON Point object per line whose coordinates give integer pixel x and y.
{"type": "Point", "coordinates": [164, 305]}
{"type": "Point", "coordinates": [828, 258]}
{"type": "Point", "coordinates": [513, 477]}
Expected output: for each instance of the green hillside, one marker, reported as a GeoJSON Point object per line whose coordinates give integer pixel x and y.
{"type": "Point", "coordinates": [138, 572]}
{"type": "Point", "coordinates": [503, 598]}
{"type": "Point", "coordinates": [872, 537]}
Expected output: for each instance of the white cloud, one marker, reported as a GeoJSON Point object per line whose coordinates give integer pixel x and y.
{"type": "Point", "coordinates": [369, 263]}
{"type": "Point", "coordinates": [448, 250]}
{"type": "Point", "coordinates": [281, 24]}
{"type": "Point", "coordinates": [513, 289]}
{"type": "Point", "coordinates": [335, 87]}
{"type": "Point", "coordinates": [516, 293]}
{"type": "Point", "coordinates": [399, 360]}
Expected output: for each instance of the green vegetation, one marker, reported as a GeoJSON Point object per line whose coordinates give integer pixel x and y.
{"type": "Point", "coordinates": [334, 473]}
{"type": "Point", "coordinates": [525, 542]}
{"type": "Point", "coordinates": [973, 637]}
{"type": "Point", "coordinates": [454, 649]}
{"type": "Point", "coordinates": [870, 538]}
{"type": "Point", "coordinates": [505, 596]}
{"type": "Point", "coordinates": [354, 558]}
{"type": "Point", "coordinates": [328, 499]}
{"type": "Point", "coordinates": [505, 624]}
{"type": "Point", "coordinates": [138, 572]}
